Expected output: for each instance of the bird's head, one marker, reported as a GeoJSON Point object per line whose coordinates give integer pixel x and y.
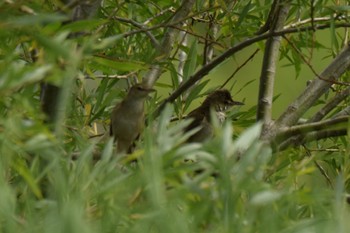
{"type": "Point", "coordinates": [221, 100]}
{"type": "Point", "coordinates": [139, 91]}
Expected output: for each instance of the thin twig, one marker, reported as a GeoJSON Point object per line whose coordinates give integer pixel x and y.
{"type": "Point", "coordinates": [311, 67]}
{"type": "Point", "coordinates": [314, 20]}
{"type": "Point", "coordinates": [197, 35]}
{"type": "Point", "coordinates": [154, 41]}
{"type": "Point", "coordinates": [171, 9]}
{"type": "Point", "coordinates": [320, 168]}
{"type": "Point", "coordinates": [331, 150]}
{"type": "Point", "coordinates": [114, 76]}
{"type": "Point", "coordinates": [240, 67]}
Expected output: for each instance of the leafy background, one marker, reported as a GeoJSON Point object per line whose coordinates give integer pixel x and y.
{"type": "Point", "coordinates": [44, 190]}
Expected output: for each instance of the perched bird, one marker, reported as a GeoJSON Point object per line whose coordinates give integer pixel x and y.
{"type": "Point", "coordinates": [218, 101]}
{"type": "Point", "coordinates": [128, 118]}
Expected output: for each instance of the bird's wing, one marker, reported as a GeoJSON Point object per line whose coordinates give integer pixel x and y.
{"type": "Point", "coordinates": [110, 129]}
{"type": "Point", "coordinates": [197, 118]}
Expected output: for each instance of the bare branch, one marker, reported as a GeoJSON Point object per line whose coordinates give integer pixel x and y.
{"type": "Point", "coordinates": [344, 112]}
{"type": "Point", "coordinates": [239, 68]}
{"type": "Point", "coordinates": [267, 78]}
{"type": "Point", "coordinates": [213, 29]}
{"type": "Point", "coordinates": [314, 20]}
{"type": "Point", "coordinates": [323, 112]}
{"type": "Point", "coordinates": [316, 88]}
{"type": "Point", "coordinates": [154, 41]}
{"type": "Point", "coordinates": [182, 55]}
{"type": "Point", "coordinates": [201, 38]}
{"type": "Point", "coordinates": [314, 126]}
{"type": "Point", "coordinates": [313, 136]}
{"type": "Point", "coordinates": [270, 18]}
{"type": "Point", "coordinates": [171, 9]}
{"type": "Point", "coordinates": [114, 76]}
{"type": "Point", "coordinates": [324, 173]}
{"type": "Point", "coordinates": [166, 45]}
{"type": "Point", "coordinates": [338, 98]}
{"type": "Point", "coordinates": [310, 66]}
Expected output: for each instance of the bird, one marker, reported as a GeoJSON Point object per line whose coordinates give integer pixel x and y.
{"type": "Point", "coordinates": [218, 101]}
{"type": "Point", "coordinates": [128, 118]}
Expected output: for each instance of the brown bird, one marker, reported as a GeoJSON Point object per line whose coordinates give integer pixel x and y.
{"type": "Point", "coordinates": [219, 101]}
{"type": "Point", "coordinates": [128, 118]}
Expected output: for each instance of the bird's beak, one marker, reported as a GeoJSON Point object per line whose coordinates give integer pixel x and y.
{"type": "Point", "coordinates": [236, 103]}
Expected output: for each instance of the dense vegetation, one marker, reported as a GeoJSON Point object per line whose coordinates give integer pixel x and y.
{"type": "Point", "coordinates": [290, 174]}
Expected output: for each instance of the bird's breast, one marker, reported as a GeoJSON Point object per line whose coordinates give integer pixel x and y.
{"type": "Point", "coordinates": [221, 116]}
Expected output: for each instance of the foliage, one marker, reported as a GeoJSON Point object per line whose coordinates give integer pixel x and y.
{"type": "Point", "coordinates": [229, 184]}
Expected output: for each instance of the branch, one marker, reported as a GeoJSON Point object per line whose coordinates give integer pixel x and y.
{"type": "Point", "coordinates": [312, 131]}
{"type": "Point", "coordinates": [323, 112]}
{"type": "Point", "coordinates": [210, 36]}
{"type": "Point", "coordinates": [166, 45]}
{"type": "Point", "coordinates": [239, 68]}
{"type": "Point", "coordinates": [345, 111]}
{"type": "Point", "coordinates": [310, 66]}
{"type": "Point", "coordinates": [85, 9]}
{"type": "Point", "coordinates": [313, 136]}
{"type": "Point", "coordinates": [154, 41]}
{"type": "Point", "coordinates": [315, 20]}
{"type": "Point", "coordinates": [267, 78]}
{"type": "Point", "coordinates": [231, 51]}
{"type": "Point", "coordinates": [320, 168]}
{"type": "Point", "coordinates": [114, 76]}
{"type": "Point", "coordinates": [166, 24]}
{"type": "Point", "coordinates": [182, 55]}
{"type": "Point", "coordinates": [270, 18]}
{"type": "Point", "coordinates": [313, 91]}
{"type": "Point", "coordinates": [309, 127]}
{"type": "Point", "coordinates": [332, 103]}
{"type": "Point", "coordinates": [53, 98]}
{"type": "Point", "coordinates": [171, 9]}
{"type": "Point", "coordinates": [200, 37]}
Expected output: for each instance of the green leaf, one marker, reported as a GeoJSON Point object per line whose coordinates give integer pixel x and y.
{"type": "Point", "coordinates": [333, 33]}
{"type": "Point", "coordinates": [54, 45]}
{"type": "Point", "coordinates": [194, 93]}
{"type": "Point", "coordinates": [40, 19]}
{"type": "Point", "coordinates": [119, 64]}
{"type": "Point", "coordinates": [14, 78]}
{"type": "Point", "coordinates": [81, 25]}
{"type": "Point", "coordinates": [243, 14]}
{"type": "Point", "coordinates": [248, 137]}
{"type": "Point", "coordinates": [107, 42]}
{"type": "Point", "coordinates": [22, 169]}
{"type": "Point", "coordinates": [37, 143]}
{"type": "Point", "coordinates": [265, 198]}
{"type": "Point", "coordinates": [191, 62]}
{"type": "Point", "coordinates": [343, 8]}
